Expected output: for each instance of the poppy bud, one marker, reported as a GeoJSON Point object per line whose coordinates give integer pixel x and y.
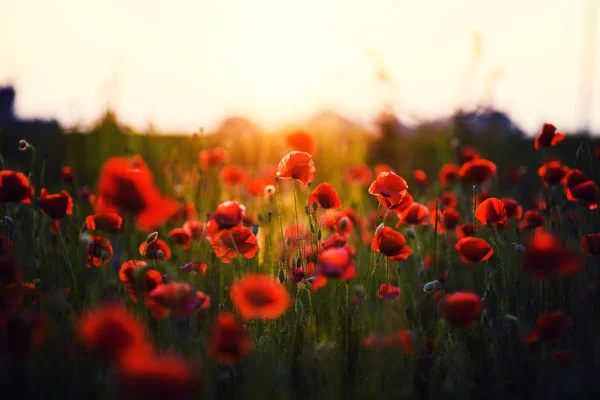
{"type": "Point", "coordinates": [269, 216]}
{"type": "Point", "coordinates": [152, 237]}
{"type": "Point", "coordinates": [319, 234]}
{"type": "Point", "coordinates": [410, 233]}
{"type": "Point", "coordinates": [23, 145]}
{"type": "Point", "coordinates": [307, 210]}
{"type": "Point", "coordinates": [380, 227]}
{"type": "Point", "coordinates": [254, 229]}
{"type": "Point", "coordinates": [289, 241]}
{"type": "Point", "coordinates": [294, 263]}
{"type": "Point", "coordinates": [260, 218]}
{"type": "Point", "coordinates": [579, 152]}
{"type": "Point", "coordinates": [358, 290]}
{"type": "Point", "coordinates": [442, 207]}
{"type": "Point", "coordinates": [519, 248]}
{"type": "Point", "coordinates": [299, 307]}
{"type": "Point", "coordinates": [10, 224]}
{"type": "Point", "coordinates": [246, 262]}
{"type": "Point", "coordinates": [208, 215]}
{"type": "Point", "coordinates": [312, 228]}
{"type": "Point", "coordinates": [281, 275]}
{"type": "Point", "coordinates": [160, 255]}
{"type": "Point", "coordinates": [299, 262]}
{"type": "Point", "coordinates": [429, 287]}
{"type": "Point", "coordinates": [315, 205]}
{"type": "Point", "coordinates": [475, 189]}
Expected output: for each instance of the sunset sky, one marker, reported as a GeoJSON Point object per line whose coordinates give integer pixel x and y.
{"type": "Point", "coordinates": [186, 64]}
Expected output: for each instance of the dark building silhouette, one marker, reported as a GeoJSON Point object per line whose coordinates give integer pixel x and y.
{"type": "Point", "coordinates": [46, 135]}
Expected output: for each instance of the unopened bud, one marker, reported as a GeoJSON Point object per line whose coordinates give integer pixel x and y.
{"type": "Point", "coordinates": [380, 227]}
{"type": "Point", "coordinates": [10, 224]}
{"type": "Point", "coordinates": [281, 275]}
{"type": "Point", "coordinates": [254, 229]}
{"type": "Point", "coordinates": [319, 234]}
{"type": "Point", "coordinates": [343, 223]}
{"type": "Point", "coordinates": [519, 248]}
{"type": "Point", "coordinates": [312, 228]}
{"type": "Point", "coordinates": [315, 205]}
{"type": "Point", "coordinates": [152, 237]}
{"type": "Point", "coordinates": [23, 145]}
{"type": "Point", "coordinates": [410, 233]}
{"type": "Point", "coordinates": [160, 255]}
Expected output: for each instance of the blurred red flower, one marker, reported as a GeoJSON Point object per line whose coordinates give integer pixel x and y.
{"type": "Point", "coordinates": [478, 171]}
{"type": "Point", "coordinates": [461, 309]}
{"type": "Point", "coordinates": [548, 137]}
{"type": "Point", "coordinates": [301, 141]}
{"type": "Point", "coordinates": [198, 267]}
{"type": "Point", "coordinates": [549, 327]}
{"type": "Point", "coordinates": [134, 284]}
{"type": "Point", "coordinates": [474, 250]}
{"type": "Point", "coordinates": [232, 175]}
{"type": "Point", "coordinates": [552, 173]}
{"type": "Point", "coordinates": [213, 157]}
{"type": "Point", "coordinates": [104, 222]}
{"type": "Point", "coordinates": [388, 291]}
{"type": "Point", "coordinates": [359, 174]}
{"type": "Point", "coordinates": [14, 188]}
{"type": "Point", "coordinates": [67, 174]}
{"type": "Point", "coordinates": [229, 340]}
{"type": "Point", "coordinates": [590, 244]}
{"type": "Point", "coordinates": [513, 209]}
{"type": "Point", "coordinates": [421, 178]}
{"type": "Point", "coordinates": [414, 214]}
{"type": "Point", "coordinates": [449, 173]}
{"type": "Point", "coordinates": [465, 230]}
{"type": "Point", "coordinates": [533, 219]}
{"type": "Point", "coordinates": [56, 206]}
{"type": "Point", "coordinates": [259, 296]}
{"type": "Point", "coordinates": [151, 250]}
{"type": "Point", "coordinates": [545, 256]}
{"type": "Point", "coordinates": [182, 237]}
{"type": "Point", "coordinates": [177, 298]}
{"type": "Point", "coordinates": [227, 215]}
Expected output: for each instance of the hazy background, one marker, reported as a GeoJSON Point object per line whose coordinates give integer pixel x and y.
{"type": "Point", "coordinates": [186, 64]}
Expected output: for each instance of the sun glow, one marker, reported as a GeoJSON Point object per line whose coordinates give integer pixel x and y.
{"type": "Point", "coordinates": [185, 64]}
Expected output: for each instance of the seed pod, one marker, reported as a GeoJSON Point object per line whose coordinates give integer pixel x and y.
{"type": "Point", "coordinates": [23, 145]}
{"type": "Point", "coordinates": [315, 205]}
{"type": "Point", "coordinates": [160, 255]}
{"type": "Point", "coordinates": [254, 229]}
{"type": "Point", "coordinates": [410, 233]}
{"type": "Point", "coordinates": [319, 234]}
{"type": "Point", "coordinates": [281, 275]}
{"type": "Point", "coordinates": [312, 228]}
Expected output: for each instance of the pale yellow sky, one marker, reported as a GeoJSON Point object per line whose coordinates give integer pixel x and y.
{"type": "Point", "coordinates": [186, 64]}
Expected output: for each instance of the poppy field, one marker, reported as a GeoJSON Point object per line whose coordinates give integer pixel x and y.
{"type": "Point", "coordinates": [301, 269]}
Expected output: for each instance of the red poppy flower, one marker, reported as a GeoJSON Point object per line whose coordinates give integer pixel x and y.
{"type": "Point", "coordinates": [478, 171]}
{"type": "Point", "coordinates": [67, 174]}
{"type": "Point", "coordinates": [227, 215]}
{"type": "Point", "coordinates": [56, 206]}
{"type": "Point", "coordinates": [297, 165]}
{"type": "Point", "coordinates": [103, 222]}
{"type": "Point", "coordinates": [573, 178]}
{"type": "Point", "coordinates": [184, 212]}
{"type": "Point", "coordinates": [533, 219]}
{"type": "Point", "coordinates": [402, 206]}
{"type": "Point", "coordinates": [109, 331]}
{"type": "Point", "coordinates": [389, 188]}
{"type": "Point", "coordinates": [194, 228]}
{"type": "Point", "coordinates": [449, 173]}
{"type": "Point", "coordinates": [259, 296]}
{"type": "Point", "coordinates": [99, 251]}
{"type": "Point", "coordinates": [590, 245]}
{"type": "Point", "coordinates": [181, 237]}
{"type": "Point", "coordinates": [335, 240]}
{"type": "Point", "coordinates": [334, 263]}
{"type": "Point", "coordinates": [213, 157]}
{"type": "Point", "coordinates": [359, 174]}
{"type": "Point", "coordinates": [388, 291]}
{"type": "Point", "coordinates": [586, 191]}
{"type": "Point", "coordinates": [406, 341]}
{"type": "Point", "coordinates": [421, 178]}
{"type": "Point", "coordinates": [301, 272]}
{"type": "Point", "coordinates": [461, 309]}
{"type": "Point", "coordinates": [232, 175]}
{"type": "Point", "coordinates": [339, 222]}
{"type": "Point", "coordinates": [465, 230]}
{"type": "Point", "coordinates": [198, 267]}
{"type": "Point", "coordinates": [447, 219]}
{"type": "Point", "coordinates": [179, 298]}
{"type": "Point", "coordinates": [326, 196]}
{"type": "Point", "coordinates": [513, 209]}
{"type": "Point", "coordinates": [255, 187]}
{"type": "Point", "coordinates": [134, 284]}
{"type": "Point", "coordinates": [231, 242]}
{"type": "Point", "coordinates": [469, 154]}
{"type": "Point", "coordinates": [14, 188]}
{"type": "Point", "coordinates": [474, 250]}
{"type": "Point", "coordinates": [491, 212]}
{"type": "Point", "coordinates": [552, 173]}
{"type": "Point", "coordinates": [548, 137]}
{"type": "Point", "coordinates": [391, 243]}
{"type": "Point", "coordinates": [229, 340]}
{"type": "Point", "coordinates": [546, 256]}
{"type": "Point", "coordinates": [301, 141]}
{"type": "Point", "coordinates": [143, 375]}
{"type": "Point", "coordinates": [126, 186]}
{"type": "Point", "coordinates": [549, 326]}
{"type": "Point", "coordinates": [448, 199]}
{"type": "Point", "coordinates": [414, 214]}
{"type": "Point", "coordinates": [150, 250]}
{"type": "Point", "coordinates": [22, 333]}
